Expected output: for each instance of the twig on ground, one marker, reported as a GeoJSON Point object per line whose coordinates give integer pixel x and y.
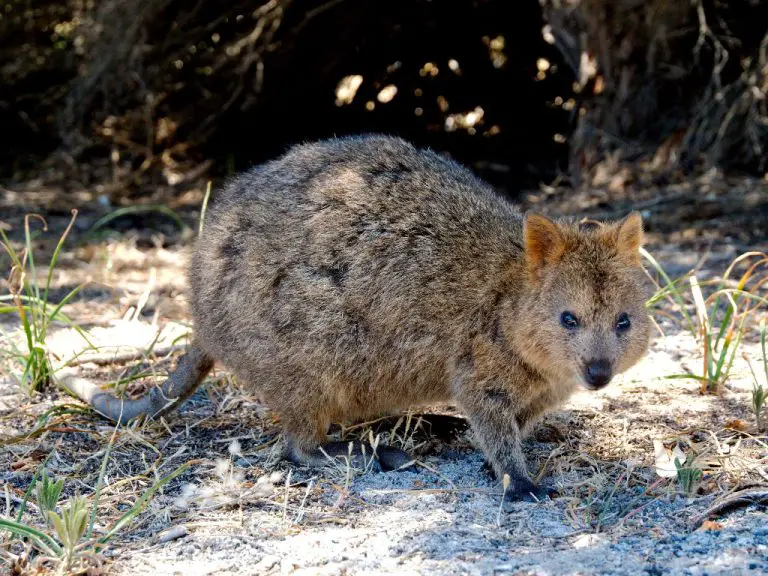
{"type": "Point", "coordinates": [740, 498]}
{"type": "Point", "coordinates": [105, 358]}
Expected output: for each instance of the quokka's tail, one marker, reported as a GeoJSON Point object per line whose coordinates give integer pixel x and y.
{"type": "Point", "coordinates": [190, 371]}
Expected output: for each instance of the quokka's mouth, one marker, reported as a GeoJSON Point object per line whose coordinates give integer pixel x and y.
{"type": "Point", "coordinates": [593, 387]}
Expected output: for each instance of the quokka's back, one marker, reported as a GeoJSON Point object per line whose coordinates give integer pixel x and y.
{"type": "Point", "coordinates": [363, 262]}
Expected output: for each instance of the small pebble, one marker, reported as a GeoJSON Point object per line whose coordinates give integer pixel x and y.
{"type": "Point", "coordinates": [267, 562]}
{"type": "Point", "coordinates": [276, 477]}
{"type": "Point", "coordinates": [172, 533]}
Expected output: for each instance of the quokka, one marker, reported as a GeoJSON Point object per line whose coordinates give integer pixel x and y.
{"type": "Point", "coordinates": [359, 276]}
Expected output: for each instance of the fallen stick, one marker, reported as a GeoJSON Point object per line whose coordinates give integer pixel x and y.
{"type": "Point", "coordinates": [119, 357]}
{"type": "Point", "coordinates": [740, 498]}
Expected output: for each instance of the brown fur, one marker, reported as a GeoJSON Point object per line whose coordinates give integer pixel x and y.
{"type": "Point", "coordinates": [356, 277]}
{"type": "Point", "coordinates": [359, 276]}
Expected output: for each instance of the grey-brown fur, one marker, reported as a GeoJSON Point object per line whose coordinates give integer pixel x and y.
{"type": "Point", "coordinates": [359, 276]}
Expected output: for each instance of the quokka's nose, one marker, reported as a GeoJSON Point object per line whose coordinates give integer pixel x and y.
{"type": "Point", "coordinates": [597, 373]}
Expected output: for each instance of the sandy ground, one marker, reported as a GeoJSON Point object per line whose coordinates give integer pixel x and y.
{"type": "Point", "coordinates": [239, 509]}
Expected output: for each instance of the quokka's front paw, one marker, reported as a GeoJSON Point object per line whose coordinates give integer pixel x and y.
{"type": "Point", "coordinates": [523, 490]}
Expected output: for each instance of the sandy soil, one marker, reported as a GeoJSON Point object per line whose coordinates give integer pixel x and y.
{"type": "Point", "coordinates": [238, 509]}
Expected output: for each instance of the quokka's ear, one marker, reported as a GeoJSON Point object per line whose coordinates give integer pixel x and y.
{"type": "Point", "coordinates": [544, 243]}
{"type": "Point", "coordinates": [629, 236]}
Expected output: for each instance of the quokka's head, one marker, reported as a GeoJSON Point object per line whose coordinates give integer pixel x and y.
{"type": "Point", "coordinates": [583, 317]}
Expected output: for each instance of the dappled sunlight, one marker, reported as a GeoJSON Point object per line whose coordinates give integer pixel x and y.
{"type": "Point", "coordinates": [347, 88]}
{"type": "Point", "coordinates": [466, 121]}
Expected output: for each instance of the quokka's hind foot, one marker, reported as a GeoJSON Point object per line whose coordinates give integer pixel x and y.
{"type": "Point", "coordinates": [360, 455]}
{"type": "Point", "coordinates": [395, 459]}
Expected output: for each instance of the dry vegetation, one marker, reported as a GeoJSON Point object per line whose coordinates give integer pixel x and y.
{"type": "Point", "coordinates": [676, 86]}
{"type": "Point", "coordinates": [661, 89]}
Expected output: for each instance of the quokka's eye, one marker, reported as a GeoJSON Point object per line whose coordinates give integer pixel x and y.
{"type": "Point", "coordinates": [623, 323]}
{"type": "Point", "coordinates": [568, 320]}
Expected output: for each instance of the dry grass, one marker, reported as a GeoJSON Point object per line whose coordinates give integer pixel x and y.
{"type": "Point", "coordinates": [677, 84]}
{"type": "Point", "coordinates": [217, 463]}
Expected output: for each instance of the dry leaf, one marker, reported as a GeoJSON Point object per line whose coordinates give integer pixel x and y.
{"type": "Point", "coordinates": [738, 425]}
{"type": "Point", "coordinates": [708, 525]}
{"type": "Point", "coordinates": [28, 462]}
{"type": "Point", "coordinates": [665, 459]}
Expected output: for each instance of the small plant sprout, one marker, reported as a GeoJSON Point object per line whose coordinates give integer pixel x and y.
{"type": "Point", "coordinates": [664, 459]}
{"type": "Point", "coordinates": [688, 474]}
{"type": "Point", "coordinates": [70, 527]}
{"type": "Point", "coordinates": [48, 492]}
{"type": "Point", "coordinates": [758, 390]}
{"type": "Point", "coordinates": [67, 540]}
{"type": "Point", "coordinates": [675, 463]}
{"type": "Point", "coordinates": [758, 402]}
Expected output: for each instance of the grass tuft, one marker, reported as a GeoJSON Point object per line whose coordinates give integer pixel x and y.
{"type": "Point", "coordinates": [759, 394]}
{"type": "Point", "coordinates": [33, 368]}
{"type": "Point", "coordinates": [718, 320]}
{"type": "Point", "coordinates": [67, 537]}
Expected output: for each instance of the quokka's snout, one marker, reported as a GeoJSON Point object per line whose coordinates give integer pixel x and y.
{"type": "Point", "coordinates": [597, 374]}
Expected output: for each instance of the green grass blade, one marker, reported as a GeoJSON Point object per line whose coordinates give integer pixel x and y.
{"type": "Point", "coordinates": [54, 259]}
{"type": "Point", "coordinates": [60, 316]}
{"type": "Point", "coordinates": [141, 503]}
{"type": "Point", "coordinates": [762, 346]}
{"type": "Point", "coordinates": [100, 481]}
{"type": "Point", "coordinates": [718, 368]}
{"type": "Point", "coordinates": [709, 352]}
{"type": "Point", "coordinates": [54, 316]}
{"type": "Point", "coordinates": [44, 542]}
{"type": "Point", "coordinates": [747, 295]}
{"type": "Point", "coordinates": [674, 291]}
{"type": "Point", "coordinates": [60, 410]}
{"type": "Point", "coordinates": [31, 486]}
{"type": "Point", "coordinates": [64, 301]}
{"type": "Point", "coordinates": [666, 290]}
{"type": "Point", "coordinates": [735, 347]}
{"type": "Point", "coordinates": [30, 253]}
{"type": "Point", "coordinates": [686, 377]}
{"type": "Point", "coordinates": [724, 323]}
